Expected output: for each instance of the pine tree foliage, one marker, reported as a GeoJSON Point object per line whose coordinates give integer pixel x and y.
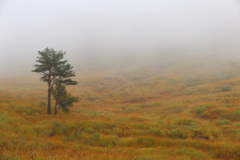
{"type": "Point", "coordinates": [64, 100]}
{"type": "Point", "coordinates": [63, 72]}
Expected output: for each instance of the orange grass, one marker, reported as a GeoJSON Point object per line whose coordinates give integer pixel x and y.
{"type": "Point", "coordinates": [119, 117]}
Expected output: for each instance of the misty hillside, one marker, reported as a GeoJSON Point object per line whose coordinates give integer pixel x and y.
{"type": "Point", "coordinates": [186, 109]}
{"type": "Point", "coordinates": [145, 80]}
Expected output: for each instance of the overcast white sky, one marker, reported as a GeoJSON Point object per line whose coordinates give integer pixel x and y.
{"type": "Point", "coordinates": [109, 28]}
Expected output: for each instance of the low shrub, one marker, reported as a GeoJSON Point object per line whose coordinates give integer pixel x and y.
{"type": "Point", "coordinates": [89, 130]}
{"type": "Point", "coordinates": [146, 142]}
{"type": "Point", "coordinates": [128, 141]}
{"type": "Point", "coordinates": [155, 131]}
{"type": "Point", "coordinates": [95, 137]}
{"type": "Point", "coordinates": [207, 133]}
{"type": "Point", "coordinates": [202, 108]}
{"type": "Point", "coordinates": [222, 122]}
{"type": "Point", "coordinates": [224, 88]}
{"type": "Point", "coordinates": [234, 116]}
{"type": "Point", "coordinates": [24, 110]}
{"type": "Point", "coordinates": [49, 128]}
{"type": "Point", "coordinates": [192, 153]}
{"type": "Point", "coordinates": [108, 141]}
{"type": "Point", "coordinates": [177, 133]}
{"type": "Point", "coordinates": [148, 105]}
{"type": "Point", "coordinates": [187, 122]}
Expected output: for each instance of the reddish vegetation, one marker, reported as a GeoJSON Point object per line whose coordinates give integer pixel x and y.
{"type": "Point", "coordinates": [118, 118]}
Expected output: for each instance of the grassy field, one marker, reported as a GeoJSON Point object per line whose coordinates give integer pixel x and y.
{"type": "Point", "coordinates": [127, 115]}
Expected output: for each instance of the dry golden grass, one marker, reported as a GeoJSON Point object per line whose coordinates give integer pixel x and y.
{"type": "Point", "coordinates": [123, 117]}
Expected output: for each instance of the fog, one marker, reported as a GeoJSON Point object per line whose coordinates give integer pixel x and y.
{"type": "Point", "coordinates": [93, 31]}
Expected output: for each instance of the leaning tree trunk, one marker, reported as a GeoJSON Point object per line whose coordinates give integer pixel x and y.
{"type": "Point", "coordinates": [49, 102]}
{"type": "Point", "coordinates": [49, 94]}
{"type": "Point", "coordinates": [56, 107]}
{"type": "Point", "coordinates": [57, 97]}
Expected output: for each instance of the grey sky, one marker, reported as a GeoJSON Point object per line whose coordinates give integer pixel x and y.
{"type": "Point", "coordinates": [91, 29]}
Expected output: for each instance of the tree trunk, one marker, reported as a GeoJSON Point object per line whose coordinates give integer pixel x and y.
{"type": "Point", "coordinates": [49, 93]}
{"type": "Point", "coordinates": [57, 97]}
{"type": "Point", "coordinates": [56, 103]}
{"type": "Point", "coordinates": [49, 100]}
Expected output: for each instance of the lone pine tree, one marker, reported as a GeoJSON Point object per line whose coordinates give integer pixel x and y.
{"type": "Point", "coordinates": [53, 69]}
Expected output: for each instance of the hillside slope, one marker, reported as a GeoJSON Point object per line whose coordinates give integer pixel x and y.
{"type": "Point", "coordinates": [181, 110]}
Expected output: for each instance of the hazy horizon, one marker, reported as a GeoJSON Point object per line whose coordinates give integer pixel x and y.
{"type": "Point", "coordinates": [109, 31]}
